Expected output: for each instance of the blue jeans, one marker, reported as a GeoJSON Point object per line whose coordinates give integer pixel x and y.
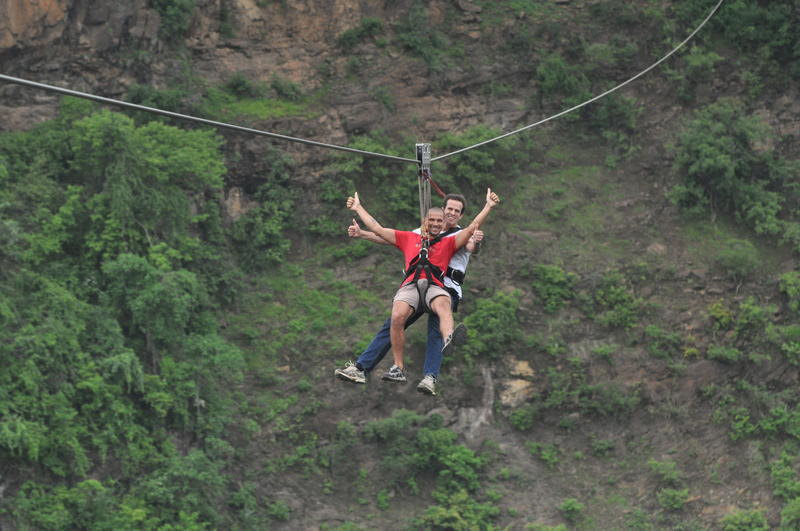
{"type": "Point", "coordinates": [382, 343]}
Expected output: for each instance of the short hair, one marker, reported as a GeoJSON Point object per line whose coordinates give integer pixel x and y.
{"type": "Point", "coordinates": [457, 197]}
{"type": "Point", "coordinates": [437, 208]}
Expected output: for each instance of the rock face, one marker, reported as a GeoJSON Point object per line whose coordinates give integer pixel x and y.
{"type": "Point", "coordinates": [105, 47]}
{"type": "Point", "coordinates": [28, 22]}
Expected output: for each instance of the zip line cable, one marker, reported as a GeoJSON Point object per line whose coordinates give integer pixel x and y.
{"type": "Point", "coordinates": [587, 102]}
{"type": "Point", "coordinates": [278, 136]}
{"type": "Point", "coordinates": [213, 123]}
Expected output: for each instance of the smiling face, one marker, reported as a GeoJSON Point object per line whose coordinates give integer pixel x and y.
{"type": "Point", "coordinates": [453, 210]}
{"type": "Point", "coordinates": [435, 221]}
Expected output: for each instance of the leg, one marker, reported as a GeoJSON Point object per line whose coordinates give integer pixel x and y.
{"type": "Point", "coordinates": [376, 349]}
{"type": "Point", "coordinates": [380, 345]}
{"type": "Point", "coordinates": [401, 311]}
{"type": "Point", "coordinates": [433, 349]}
{"type": "Point", "coordinates": [443, 307]}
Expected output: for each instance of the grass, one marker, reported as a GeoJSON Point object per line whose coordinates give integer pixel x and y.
{"type": "Point", "coordinates": [705, 240]}
{"type": "Point", "coordinates": [226, 107]}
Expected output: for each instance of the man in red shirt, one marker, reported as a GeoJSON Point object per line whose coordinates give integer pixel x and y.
{"type": "Point", "coordinates": [422, 249]}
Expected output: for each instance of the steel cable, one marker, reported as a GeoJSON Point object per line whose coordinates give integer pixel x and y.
{"type": "Point", "coordinates": [587, 102]}
{"type": "Point", "coordinates": [205, 121]}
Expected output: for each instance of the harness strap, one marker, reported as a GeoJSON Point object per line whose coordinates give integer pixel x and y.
{"type": "Point", "coordinates": [421, 263]}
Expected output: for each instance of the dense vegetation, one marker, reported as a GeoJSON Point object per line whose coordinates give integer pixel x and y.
{"type": "Point", "coordinates": [163, 366]}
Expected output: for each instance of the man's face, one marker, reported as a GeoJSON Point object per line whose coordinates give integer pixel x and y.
{"type": "Point", "coordinates": [435, 222]}
{"type": "Point", "coordinates": [452, 213]}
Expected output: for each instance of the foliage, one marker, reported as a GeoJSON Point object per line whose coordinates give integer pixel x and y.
{"type": "Point", "coordinates": [176, 17]}
{"type": "Point", "coordinates": [458, 512]}
{"type": "Point", "coordinates": [722, 353]}
{"type": "Point", "coordinates": [398, 193]}
{"type": "Point", "coordinates": [560, 82]}
{"type": "Point", "coordinates": [662, 344]}
{"type": "Point", "coordinates": [368, 28]}
{"type": "Point", "coordinates": [109, 340]}
{"type": "Point", "coordinates": [613, 304]}
{"type": "Point", "coordinates": [723, 169]}
{"type": "Point", "coordinates": [672, 499]}
{"type": "Point", "coordinates": [415, 34]}
{"type": "Point", "coordinates": [471, 172]}
{"type": "Point", "coordinates": [260, 234]}
{"type": "Point", "coordinates": [493, 326]}
{"type": "Point", "coordinates": [738, 259]}
{"type": "Point", "coordinates": [789, 284]}
{"type": "Point", "coordinates": [549, 453]}
{"type": "Point", "coordinates": [749, 520]}
{"type": "Point", "coordinates": [572, 509]}
{"type": "Point", "coordinates": [413, 445]}
{"type": "Point", "coordinates": [790, 514]}
{"type": "Point", "coordinates": [763, 33]}
{"type": "Point", "coordinates": [524, 417]}
{"type": "Point", "coordinates": [667, 471]}
{"type": "Point", "coordinates": [553, 285]}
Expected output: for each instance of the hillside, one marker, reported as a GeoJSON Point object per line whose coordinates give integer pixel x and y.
{"type": "Point", "coordinates": [174, 299]}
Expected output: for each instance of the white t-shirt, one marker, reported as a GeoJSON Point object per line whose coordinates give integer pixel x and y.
{"type": "Point", "coordinates": [459, 262]}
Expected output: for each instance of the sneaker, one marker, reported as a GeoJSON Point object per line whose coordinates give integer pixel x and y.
{"type": "Point", "coordinates": [457, 337]}
{"type": "Point", "coordinates": [427, 385]}
{"type": "Point", "coordinates": [394, 374]}
{"type": "Point", "coordinates": [351, 373]}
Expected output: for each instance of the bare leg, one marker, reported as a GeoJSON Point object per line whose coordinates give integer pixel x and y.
{"type": "Point", "coordinates": [401, 311]}
{"type": "Point", "coordinates": [443, 308]}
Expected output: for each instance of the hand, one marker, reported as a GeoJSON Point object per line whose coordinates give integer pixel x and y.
{"type": "Point", "coordinates": [492, 199]}
{"type": "Point", "coordinates": [477, 236]}
{"type": "Point", "coordinates": [353, 202]}
{"type": "Point", "coordinates": [354, 231]}
{"type": "Point", "coordinates": [423, 230]}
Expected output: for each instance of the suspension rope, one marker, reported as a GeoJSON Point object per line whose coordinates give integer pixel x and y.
{"type": "Point", "coordinates": [213, 123]}
{"type": "Point", "coordinates": [587, 102]}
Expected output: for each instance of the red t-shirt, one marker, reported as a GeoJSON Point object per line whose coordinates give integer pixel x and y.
{"type": "Point", "coordinates": [439, 254]}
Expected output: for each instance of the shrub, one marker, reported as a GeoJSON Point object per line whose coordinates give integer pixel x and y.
{"type": "Point", "coordinates": [286, 89]}
{"type": "Point", "coordinates": [547, 452]}
{"type": "Point", "coordinates": [662, 344]}
{"type": "Point", "coordinates": [666, 470]}
{"type": "Point", "coordinates": [722, 353]}
{"type": "Point", "coordinates": [553, 285]}
{"type": "Point", "coordinates": [752, 520]}
{"type": "Point", "coordinates": [416, 35]}
{"type": "Point", "coordinates": [459, 511]}
{"type": "Point", "coordinates": [789, 284]}
{"type": "Point", "coordinates": [602, 447]}
{"type": "Point", "coordinates": [561, 82]}
{"type": "Point", "coordinates": [279, 510]}
{"type": "Point", "coordinates": [176, 17]}
{"type": "Point", "coordinates": [493, 326]}
{"type": "Point", "coordinates": [722, 167]}
{"type": "Point", "coordinates": [752, 319]}
{"type": "Point", "coordinates": [524, 417]}
{"type": "Point", "coordinates": [368, 28]}
{"type": "Point", "coordinates": [614, 303]}
{"type": "Point", "coordinates": [572, 509]}
{"type": "Point", "coordinates": [241, 87]}
{"type": "Point", "coordinates": [790, 515]}
{"type": "Point", "coordinates": [672, 499]}
{"type": "Point", "coordinates": [738, 259]}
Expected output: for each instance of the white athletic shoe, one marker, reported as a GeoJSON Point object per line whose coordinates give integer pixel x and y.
{"type": "Point", "coordinates": [427, 385]}
{"type": "Point", "coordinates": [351, 373]}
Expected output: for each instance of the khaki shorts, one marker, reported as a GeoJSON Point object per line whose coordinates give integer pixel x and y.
{"type": "Point", "coordinates": [410, 295]}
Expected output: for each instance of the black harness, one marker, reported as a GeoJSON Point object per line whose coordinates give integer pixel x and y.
{"type": "Point", "coordinates": [421, 263]}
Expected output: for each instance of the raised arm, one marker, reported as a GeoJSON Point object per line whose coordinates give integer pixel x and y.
{"type": "Point", "coordinates": [354, 204]}
{"type": "Point", "coordinates": [462, 237]}
{"type": "Point", "coordinates": [355, 231]}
